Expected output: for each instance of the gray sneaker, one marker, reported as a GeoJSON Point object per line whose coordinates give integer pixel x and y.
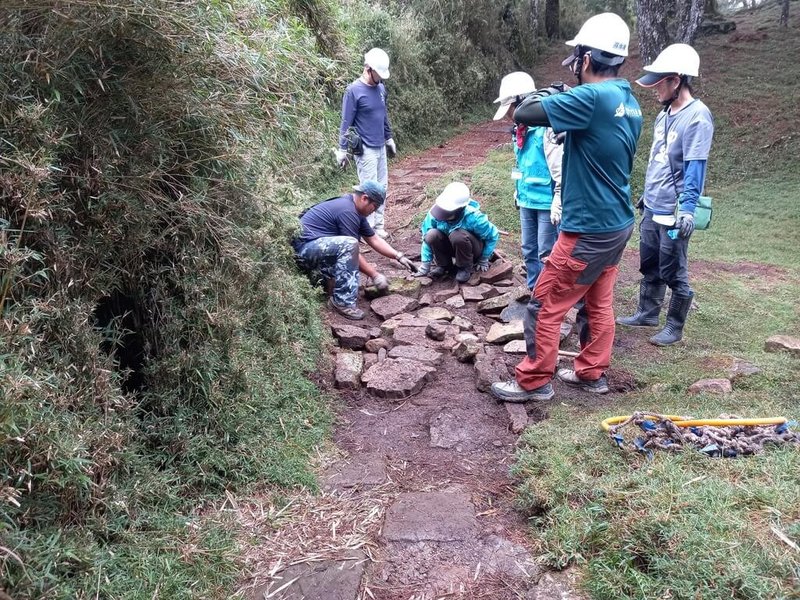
{"type": "Point", "coordinates": [595, 386]}
{"type": "Point", "coordinates": [463, 275]}
{"type": "Point", "coordinates": [437, 272]}
{"type": "Point", "coordinates": [349, 312]}
{"type": "Point", "coordinates": [511, 391]}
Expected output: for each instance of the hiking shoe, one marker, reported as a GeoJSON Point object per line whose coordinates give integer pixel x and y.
{"type": "Point", "coordinates": [463, 275]}
{"type": "Point", "coordinates": [511, 391]}
{"type": "Point", "coordinates": [596, 386]}
{"type": "Point", "coordinates": [349, 312]}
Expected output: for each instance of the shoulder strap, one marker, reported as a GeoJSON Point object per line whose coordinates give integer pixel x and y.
{"type": "Point", "coordinates": [666, 154]}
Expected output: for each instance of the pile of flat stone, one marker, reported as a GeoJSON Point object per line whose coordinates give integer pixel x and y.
{"type": "Point", "coordinates": [396, 360]}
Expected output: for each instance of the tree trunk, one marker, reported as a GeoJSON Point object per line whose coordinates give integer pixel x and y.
{"type": "Point", "coordinates": [534, 17]}
{"type": "Point", "coordinates": [552, 23]}
{"type": "Point", "coordinates": [690, 14]}
{"type": "Point", "coordinates": [651, 22]}
{"type": "Point", "coordinates": [785, 14]}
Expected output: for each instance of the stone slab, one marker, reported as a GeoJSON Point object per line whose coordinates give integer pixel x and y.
{"type": "Point", "coordinates": [711, 386]}
{"type": "Point", "coordinates": [476, 293]}
{"type": "Point", "coordinates": [421, 354]}
{"type": "Point", "coordinates": [499, 270]}
{"type": "Point", "coordinates": [462, 323]}
{"type": "Point", "coordinates": [455, 302]}
{"type": "Point", "coordinates": [500, 333]}
{"type": "Point", "coordinates": [490, 367]}
{"type": "Point", "coordinates": [496, 304]}
{"type": "Point", "coordinates": [362, 470]}
{"type": "Point", "coordinates": [445, 293]}
{"type": "Point", "coordinates": [515, 347]}
{"type": "Point", "coordinates": [350, 336]}
{"type": "Point", "coordinates": [397, 378]}
{"type": "Point", "coordinates": [347, 374]}
{"type": "Point", "coordinates": [741, 368]}
{"type": "Point", "coordinates": [515, 311]}
{"type": "Point", "coordinates": [518, 416]}
{"type": "Point", "coordinates": [783, 343]}
{"type": "Point", "coordinates": [325, 580]}
{"type": "Point", "coordinates": [415, 336]}
{"type": "Point", "coordinates": [435, 313]}
{"type": "Point", "coordinates": [392, 305]}
{"type": "Point", "coordinates": [430, 516]}
{"type": "Point", "coordinates": [446, 430]}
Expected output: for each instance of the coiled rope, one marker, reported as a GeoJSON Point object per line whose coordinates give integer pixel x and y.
{"type": "Point", "coordinates": [727, 436]}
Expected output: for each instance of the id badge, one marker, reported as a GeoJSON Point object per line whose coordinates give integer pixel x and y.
{"type": "Point", "coordinates": [516, 174]}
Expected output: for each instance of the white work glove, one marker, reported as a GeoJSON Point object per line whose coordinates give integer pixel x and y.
{"type": "Point", "coordinates": [381, 282]}
{"type": "Point", "coordinates": [555, 210]}
{"type": "Point", "coordinates": [341, 157]}
{"type": "Point", "coordinates": [391, 147]}
{"type": "Point", "coordinates": [406, 262]}
{"type": "Point", "coordinates": [423, 269]}
{"type": "Point", "coordinates": [483, 265]}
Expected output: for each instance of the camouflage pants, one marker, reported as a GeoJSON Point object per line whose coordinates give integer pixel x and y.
{"type": "Point", "coordinates": [337, 258]}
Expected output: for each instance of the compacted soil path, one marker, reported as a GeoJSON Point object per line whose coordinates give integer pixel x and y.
{"type": "Point", "coordinates": [417, 500]}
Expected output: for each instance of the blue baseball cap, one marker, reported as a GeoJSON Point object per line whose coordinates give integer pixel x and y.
{"type": "Point", "coordinates": [372, 190]}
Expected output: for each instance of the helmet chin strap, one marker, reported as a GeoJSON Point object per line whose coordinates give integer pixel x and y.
{"type": "Point", "coordinates": [668, 102]}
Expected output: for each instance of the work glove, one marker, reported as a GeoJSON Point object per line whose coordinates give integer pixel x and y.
{"type": "Point", "coordinates": [685, 224]}
{"type": "Point", "coordinates": [341, 157]}
{"type": "Point", "coordinates": [423, 269]}
{"type": "Point", "coordinates": [391, 147]}
{"type": "Point", "coordinates": [406, 262]}
{"type": "Point", "coordinates": [555, 210]}
{"type": "Point", "coordinates": [381, 282]}
{"type": "Point", "coordinates": [640, 204]}
{"type": "Point", "coordinates": [483, 265]}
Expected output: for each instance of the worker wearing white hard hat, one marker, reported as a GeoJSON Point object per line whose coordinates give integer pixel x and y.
{"type": "Point", "coordinates": [365, 133]}
{"type": "Point", "coordinates": [536, 175]}
{"type": "Point", "coordinates": [602, 121]}
{"type": "Point", "coordinates": [675, 177]}
{"type": "Point", "coordinates": [457, 237]}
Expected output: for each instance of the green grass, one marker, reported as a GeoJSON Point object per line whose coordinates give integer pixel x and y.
{"type": "Point", "coordinates": [689, 526]}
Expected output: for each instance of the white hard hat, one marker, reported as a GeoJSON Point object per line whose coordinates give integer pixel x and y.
{"type": "Point", "coordinates": [512, 86]}
{"type": "Point", "coordinates": [453, 197]}
{"type": "Point", "coordinates": [677, 59]}
{"type": "Point", "coordinates": [606, 32]}
{"type": "Point", "coordinates": [378, 61]}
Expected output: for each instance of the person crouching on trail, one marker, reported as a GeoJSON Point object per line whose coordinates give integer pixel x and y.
{"type": "Point", "coordinates": [675, 175]}
{"type": "Point", "coordinates": [456, 235]}
{"type": "Point", "coordinates": [537, 175]}
{"type": "Point", "coordinates": [328, 244]}
{"type": "Point", "coordinates": [602, 121]}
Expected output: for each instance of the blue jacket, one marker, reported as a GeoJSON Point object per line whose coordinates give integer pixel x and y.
{"type": "Point", "coordinates": [473, 220]}
{"type": "Point", "coordinates": [535, 187]}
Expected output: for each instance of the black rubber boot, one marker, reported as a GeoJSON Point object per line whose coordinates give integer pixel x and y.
{"type": "Point", "coordinates": [676, 318]}
{"type": "Point", "coordinates": [651, 297]}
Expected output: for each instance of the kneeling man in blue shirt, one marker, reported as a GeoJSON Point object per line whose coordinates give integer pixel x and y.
{"type": "Point", "coordinates": [328, 244]}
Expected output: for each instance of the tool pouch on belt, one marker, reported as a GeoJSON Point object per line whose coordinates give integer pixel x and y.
{"type": "Point", "coordinates": [355, 145]}
{"type": "Point", "coordinates": [702, 213]}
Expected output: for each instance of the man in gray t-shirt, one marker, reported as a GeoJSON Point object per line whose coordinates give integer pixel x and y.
{"type": "Point", "coordinates": [675, 176]}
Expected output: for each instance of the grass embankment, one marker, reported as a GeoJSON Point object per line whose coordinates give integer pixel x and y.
{"type": "Point", "coordinates": [688, 526]}
{"type": "Point", "coordinates": [157, 346]}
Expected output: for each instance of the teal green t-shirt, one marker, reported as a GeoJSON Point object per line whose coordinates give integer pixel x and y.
{"type": "Point", "coordinates": [603, 122]}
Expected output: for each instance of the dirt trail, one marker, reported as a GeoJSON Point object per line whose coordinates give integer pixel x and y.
{"type": "Point", "coordinates": [421, 494]}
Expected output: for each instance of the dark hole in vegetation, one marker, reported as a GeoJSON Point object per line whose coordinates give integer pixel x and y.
{"type": "Point", "coordinates": [118, 317]}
